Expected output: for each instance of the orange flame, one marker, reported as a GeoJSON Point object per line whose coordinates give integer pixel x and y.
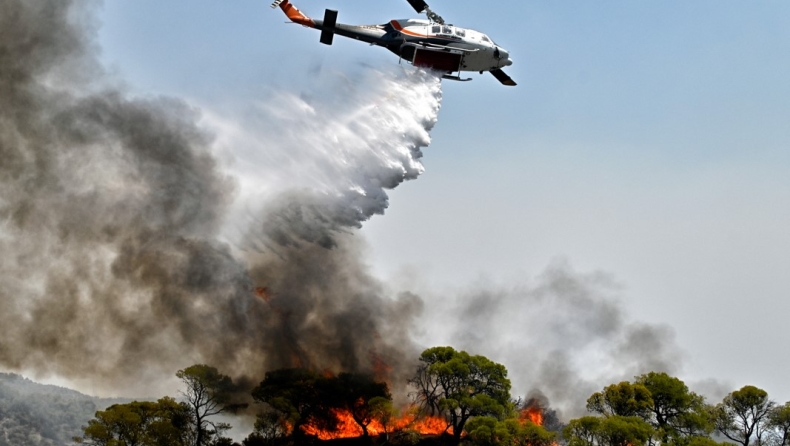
{"type": "Point", "coordinates": [428, 425]}
{"type": "Point", "coordinates": [348, 428]}
{"type": "Point", "coordinates": [533, 414]}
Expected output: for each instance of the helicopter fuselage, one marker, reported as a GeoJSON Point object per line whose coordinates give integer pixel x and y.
{"type": "Point", "coordinates": [424, 43]}
{"type": "Point", "coordinates": [410, 37]}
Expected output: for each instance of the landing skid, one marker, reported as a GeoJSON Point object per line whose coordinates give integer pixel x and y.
{"type": "Point", "coordinates": [456, 78]}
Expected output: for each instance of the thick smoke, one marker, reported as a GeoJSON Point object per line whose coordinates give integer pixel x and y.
{"type": "Point", "coordinates": [130, 251]}
{"type": "Point", "coordinates": [562, 335]}
{"type": "Point", "coordinates": [142, 235]}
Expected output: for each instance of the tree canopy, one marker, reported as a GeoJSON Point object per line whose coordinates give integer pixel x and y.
{"type": "Point", "coordinates": [742, 414]}
{"type": "Point", "coordinates": [467, 396]}
{"type": "Point", "coordinates": [779, 424]}
{"type": "Point", "coordinates": [655, 403]}
{"type": "Point", "coordinates": [612, 430]}
{"type": "Point", "coordinates": [676, 412]}
{"type": "Point", "coordinates": [490, 431]}
{"type": "Point", "coordinates": [164, 422]}
{"type": "Point", "coordinates": [207, 393]}
{"type": "Point", "coordinates": [623, 399]}
{"type": "Point", "coordinates": [460, 386]}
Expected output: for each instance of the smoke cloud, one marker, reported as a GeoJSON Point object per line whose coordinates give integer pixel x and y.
{"type": "Point", "coordinates": [563, 334]}
{"type": "Point", "coordinates": [142, 235]}
{"type": "Point", "coordinates": [132, 247]}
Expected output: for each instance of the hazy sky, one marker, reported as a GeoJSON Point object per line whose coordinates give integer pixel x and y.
{"type": "Point", "coordinates": [648, 140]}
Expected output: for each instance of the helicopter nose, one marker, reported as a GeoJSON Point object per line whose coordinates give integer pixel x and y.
{"type": "Point", "coordinates": [504, 58]}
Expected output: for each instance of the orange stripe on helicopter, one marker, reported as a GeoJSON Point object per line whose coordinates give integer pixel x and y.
{"type": "Point", "coordinates": [296, 15]}
{"type": "Point", "coordinates": [402, 30]}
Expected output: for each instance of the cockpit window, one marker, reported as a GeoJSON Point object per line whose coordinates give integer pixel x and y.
{"type": "Point", "coordinates": [460, 32]}
{"type": "Point", "coordinates": [436, 29]}
{"type": "Point", "coordinates": [485, 39]}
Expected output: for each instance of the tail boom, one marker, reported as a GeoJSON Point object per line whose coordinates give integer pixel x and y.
{"type": "Point", "coordinates": [294, 14]}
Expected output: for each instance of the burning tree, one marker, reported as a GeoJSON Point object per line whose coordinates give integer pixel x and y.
{"type": "Point", "coordinates": [460, 386]}
{"type": "Point", "coordinates": [296, 395]}
{"type": "Point", "coordinates": [310, 403]}
{"type": "Point", "coordinates": [361, 396]}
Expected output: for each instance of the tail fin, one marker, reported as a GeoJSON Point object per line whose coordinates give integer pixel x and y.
{"type": "Point", "coordinates": [328, 27]}
{"type": "Point", "coordinates": [294, 14]}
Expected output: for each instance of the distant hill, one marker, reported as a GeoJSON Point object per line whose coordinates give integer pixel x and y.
{"type": "Point", "coordinates": [33, 414]}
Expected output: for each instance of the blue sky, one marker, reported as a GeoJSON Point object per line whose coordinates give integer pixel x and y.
{"type": "Point", "coordinates": [646, 139]}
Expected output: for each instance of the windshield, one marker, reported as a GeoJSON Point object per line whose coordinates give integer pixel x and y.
{"type": "Point", "coordinates": [487, 39]}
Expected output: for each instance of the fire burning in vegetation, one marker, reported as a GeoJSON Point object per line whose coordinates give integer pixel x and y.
{"type": "Point", "coordinates": [308, 403]}
{"type": "Point", "coordinates": [347, 427]}
{"type": "Point", "coordinates": [533, 414]}
{"type": "Point", "coordinates": [352, 405]}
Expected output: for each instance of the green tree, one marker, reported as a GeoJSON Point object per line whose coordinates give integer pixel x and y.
{"type": "Point", "coordinates": [531, 434]}
{"type": "Point", "coordinates": [582, 431]}
{"type": "Point", "coordinates": [612, 430]}
{"type": "Point", "coordinates": [624, 431]}
{"type": "Point", "coordinates": [490, 431]}
{"type": "Point", "coordinates": [676, 412]}
{"type": "Point", "coordinates": [779, 424]}
{"type": "Point", "coordinates": [164, 422]}
{"type": "Point", "coordinates": [676, 416]}
{"type": "Point", "coordinates": [699, 440]}
{"type": "Point", "coordinates": [623, 399]}
{"type": "Point", "coordinates": [742, 414]}
{"type": "Point", "coordinates": [461, 386]}
{"type": "Point", "coordinates": [207, 393]}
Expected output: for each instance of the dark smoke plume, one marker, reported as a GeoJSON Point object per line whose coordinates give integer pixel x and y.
{"type": "Point", "coordinates": [117, 268]}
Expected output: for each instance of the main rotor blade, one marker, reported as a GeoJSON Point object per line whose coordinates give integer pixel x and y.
{"type": "Point", "coordinates": [418, 5]}
{"type": "Point", "coordinates": [502, 77]}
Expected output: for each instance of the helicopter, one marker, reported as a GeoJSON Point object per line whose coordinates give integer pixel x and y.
{"type": "Point", "coordinates": [424, 43]}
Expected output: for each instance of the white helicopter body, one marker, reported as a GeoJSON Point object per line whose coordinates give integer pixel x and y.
{"type": "Point", "coordinates": [425, 43]}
